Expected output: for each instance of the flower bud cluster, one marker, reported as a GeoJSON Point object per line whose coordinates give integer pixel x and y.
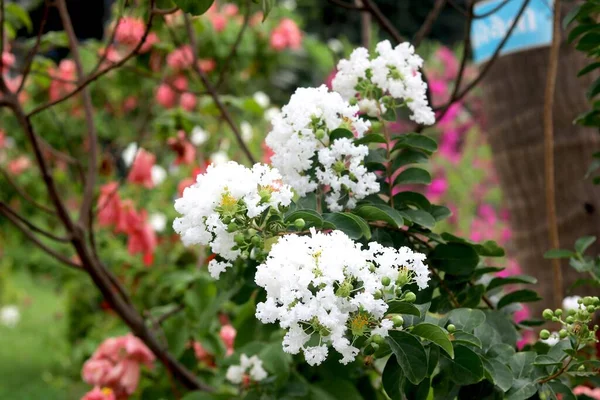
{"type": "Point", "coordinates": [575, 321]}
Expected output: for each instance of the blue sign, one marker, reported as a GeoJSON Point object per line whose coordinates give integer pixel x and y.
{"type": "Point", "coordinates": [533, 29]}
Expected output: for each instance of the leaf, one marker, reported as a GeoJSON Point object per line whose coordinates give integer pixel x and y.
{"type": "Point", "coordinates": [20, 13]}
{"type": "Point", "coordinates": [340, 133]}
{"type": "Point", "coordinates": [434, 334]}
{"type": "Point", "coordinates": [510, 280]}
{"type": "Point", "coordinates": [545, 361]}
{"type": "Point", "coordinates": [594, 88]}
{"type": "Point", "coordinates": [402, 307]}
{"type": "Point", "coordinates": [407, 157]}
{"type": "Point", "coordinates": [370, 138]}
{"type": "Point", "coordinates": [311, 217]}
{"type": "Point", "coordinates": [177, 333]}
{"type": "Point", "coordinates": [415, 141]}
{"type": "Point", "coordinates": [583, 243]}
{"type": "Point", "coordinates": [267, 6]}
{"type": "Point", "coordinates": [454, 258]}
{"type": "Point", "coordinates": [467, 367]}
{"type": "Point", "coordinates": [519, 296]}
{"type": "Point", "coordinates": [466, 319]}
{"type": "Point", "coordinates": [340, 389]}
{"type": "Point", "coordinates": [205, 396]}
{"type": "Point", "coordinates": [418, 217]}
{"type": "Point", "coordinates": [588, 68]}
{"type": "Point", "coordinates": [413, 175]}
{"type": "Point", "coordinates": [579, 30]}
{"type": "Point", "coordinates": [466, 338]}
{"type": "Point", "coordinates": [558, 253]}
{"type": "Point", "coordinates": [498, 373]}
{"type": "Point", "coordinates": [352, 225]}
{"type": "Point", "coordinates": [521, 389]}
{"type": "Point", "coordinates": [410, 354]}
{"type": "Point", "coordinates": [521, 364]}
{"type": "Point", "coordinates": [489, 248]}
{"type": "Point", "coordinates": [570, 17]}
{"type": "Point", "coordinates": [558, 390]}
{"type": "Point", "coordinates": [194, 7]}
{"type": "Point", "coordinates": [391, 378]}
{"type": "Point", "coordinates": [413, 199]}
{"type": "Point", "coordinates": [380, 212]}
{"type": "Point", "coordinates": [375, 156]}
{"type": "Point", "coordinates": [440, 213]}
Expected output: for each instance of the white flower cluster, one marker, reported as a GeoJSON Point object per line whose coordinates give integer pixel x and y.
{"type": "Point", "coordinates": [395, 71]}
{"type": "Point", "coordinates": [226, 190]}
{"type": "Point", "coordinates": [572, 303]}
{"type": "Point", "coordinates": [325, 285]}
{"type": "Point", "coordinates": [250, 366]}
{"type": "Point", "coordinates": [300, 136]}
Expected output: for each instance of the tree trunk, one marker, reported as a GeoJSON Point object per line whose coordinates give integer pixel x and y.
{"type": "Point", "coordinates": [513, 93]}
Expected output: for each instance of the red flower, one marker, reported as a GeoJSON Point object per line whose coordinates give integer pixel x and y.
{"type": "Point", "coordinates": [141, 170]}
{"type": "Point", "coordinates": [186, 152]}
{"type": "Point", "coordinates": [141, 236]}
{"type": "Point", "coordinates": [109, 204]}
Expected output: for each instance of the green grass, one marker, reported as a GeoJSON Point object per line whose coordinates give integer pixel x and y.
{"type": "Point", "coordinates": [35, 354]}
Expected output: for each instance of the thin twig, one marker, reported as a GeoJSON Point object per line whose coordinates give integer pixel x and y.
{"type": "Point", "coordinates": [31, 55]}
{"type": "Point", "coordinates": [32, 226]}
{"type": "Point", "coordinates": [549, 153]}
{"type": "Point", "coordinates": [432, 16]}
{"type": "Point", "coordinates": [26, 196]}
{"type": "Point", "coordinates": [382, 20]}
{"type": "Point", "coordinates": [234, 47]}
{"type": "Point", "coordinates": [213, 93]}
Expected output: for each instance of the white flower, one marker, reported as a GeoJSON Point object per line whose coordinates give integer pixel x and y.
{"type": "Point", "coordinates": [10, 316]}
{"type": "Point", "coordinates": [325, 284]}
{"type": "Point", "coordinates": [246, 129]}
{"type": "Point", "coordinates": [272, 113]}
{"type": "Point", "coordinates": [220, 157]}
{"type": "Point", "coordinates": [225, 188]}
{"type": "Point", "coordinates": [262, 99]}
{"type": "Point", "coordinates": [248, 365]}
{"type": "Point", "coordinates": [158, 221]}
{"type": "Point", "coordinates": [571, 303]}
{"type": "Point", "coordinates": [128, 155]}
{"type": "Point", "coordinates": [199, 136]}
{"type": "Point", "coordinates": [350, 72]}
{"type": "Point", "coordinates": [302, 131]}
{"type": "Point", "coordinates": [159, 174]}
{"type": "Point", "coordinates": [335, 45]}
{"type": "Point", "coordinates": [552, 340]}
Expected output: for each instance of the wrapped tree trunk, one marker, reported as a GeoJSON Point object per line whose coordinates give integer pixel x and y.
{"type": "Point", "coordinates": [513, 93]}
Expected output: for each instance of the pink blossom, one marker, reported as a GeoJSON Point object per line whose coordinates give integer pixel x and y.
{"type": "Point", "coordinates": [141, 170]}
{"type": "Point", "coordinates": [166, 96]}
{"type": "Point", "coordinates": [185, 150]}
{"type": "Point", "coordinates": [95, 371]}
{"type": "Point", "coordinates": [141, 237]}
{"type": "Point", "coordinates": [99, 394]}
{"type": "Point", "coordinates": [187, 101]}
{"type": "Point", "coordinates": [63, 80]}
{"type": "Point", "coordinates": [180, 83]}
{"type": "Point", "coordinates": [437, 189]}
{"type": "Point", "coordinates": [181, 58]}
{"type": "Point", "coordinates": [2, 139]}
{"type": "Point", "coordinates": [109, 204]}
{"type": "Point", "coordinates": [202, 354]}
{"type": "Point", "coordinates": [449, 61]}
{"type": "Point", "coordinates": [130, 31]}
{"type": "Point", "coordinates": [286, 35]}
{"type": "Point", "coordinates": [8, 59]}
{"type": "Point", "coordinates": [586, 391]}
{"type": "Point", "coordinates": [218, 21]}
{"type": "Point", "coordinates": [256, 18]}
{"type": "Point", "coordinates": [229, 10]}
{"type": "Point", "coordinates": [18, 165]}
{"type": "Point", "coordinates": [227, 335]}
{"type": "Point", "coordinates": [207, 64]}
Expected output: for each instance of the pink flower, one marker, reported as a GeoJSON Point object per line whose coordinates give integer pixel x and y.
{"type": "Point", "coordinates": [130, 103]}
{"type": "Point", "coordinates": [187, 101]}
{"type": "Point", "coordinates": [185, 150]}
{"type": "Point", "coordinates": [218, 21]}
{"type": "Point", "coordinates": [63, 81]}
{"type": "Point", "coordinates": [180, 83]}
{"type": "Point", "coordinates": [8, 59]}
{"type": "Point", "coordinates": [181, 58]}
{"type": "Point", "coordinates": [141, 170]}
{"type": "Point", "coordinates": [202, 354]}
{"type": "Point", "coordinates": [141, 237]}
{"type": "Point", "coordinates": [286, 35]}
{"type": "Point", "coordinates": [95, 371]}
{"type": "Point", "coordinates": [18, 165]}
{"type": "Point", "coordinates": [437, 189]}
{"type": "Point", "coordinates": [586, 391]}
{"type": "Point", "coordinates": [130, 31]}
{"type": "Point", "coordinates": [207, 64]}
{"type": "Point", "coordinates": [229, 10]}
{"type": "Point", "coordinates": [450, 62]}
{"type": "Point", "coordinates": [227, 335]}
{"type": "Point", "coordinates": [99, 394]}
{"type": "Point", "coordinates": [165, 96]}
{"type": "Point", "coordinates": [2, 139]}
{"type": "Point", "coordinates": [256, 18]}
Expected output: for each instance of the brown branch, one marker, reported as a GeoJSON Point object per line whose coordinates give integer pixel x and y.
{"type": "Point", "coordinates": [234, 47]}
{"type": "Point", "coordinates": [382, 20]}
{"type": "Point", "coordinates": [92, 173]}
{"type": "Point", "coordinates": [26, 196]}
{"type": "Point", "coordinates": [165, 11]}
{"type": "Point", "coordinates": [32, 226]}
{"type": "Point", "coordinates": [31, 55]}
{"type": "Point", "coordinates": [18, 224]}
{"type": "Point", "coordinates": [549, 154]}
{"type": "Point", "coordinates": [432, 16]}
{"type": "Point", "coordinates": [3, 88]}
{"type": "Point", "coordinates": [213, 93]}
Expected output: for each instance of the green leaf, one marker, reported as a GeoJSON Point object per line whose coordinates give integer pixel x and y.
{"type": "Point", "coordinates": [440, 213]}
{"type": "Point", "coordinates": [402, 307]}
{"type": "Point", "coordinates": [340, 389]}
{"type": "Point", "coordinates": [354, 226]}
{"type": "Point", "coordinates": [521, 364]}
{"type": "Point", "coordinates": [454, 258]}
{"type": "Point", "coordinates": [340, 133]}
{"type": "Point", "coordinates": [410, 354]}
{"type": "Point", "coordinates": [177, 333]}
{"type": "Point", "coordinates": [415, 141]}
{"type": "Point", "coordinates": [555, 388]}
{"type": "Point", "coordinates": [588, 68]}
{"type": "Point", "coordinates": [370, 138]}
{"type": "Point", "coordinates": [391, 378]}
{"type": "Point", "coordinates": [498, 373]}
{"type": "Point", "coordinates": [489, 248]}
{"type": "Point", "coordinates": [521, 389]}
{"type": "Point", "coordinates": [466, 319]}
{"type": "Point", "coordinates": [466, 338]}
{"type": "Point", "coordinates": [594, 88]}
{"type": "Point", "coordinates": [588, 42]}
{"type": "Point", "coordinates": [411, 176]}
{"type": "Point", "coordinates": [415, 199]}
{"type": "Point", "coordinates": [418, 217]}
{"type": "Point", "coordinates": [580, 29]}
{"type": "Point", "coordinates": [570, 17]}
{"type": "Point", "coordinates": [545, 361]}
{"type": "Point", "coordinates": [267, 6]}
{"type": "Point", "coordinates": [407, 157]}
{"type": "Point", "coordinates": [194, 7]}
{"type": "Point", "coordinates": [558, 253]}
{"type": "Point", "coordinates": [519, 296]}
{"type": "Point", "coordinates": [21, 15]}
{"type": "Point", "coordinates": [380, 212]}
{"type": "Point", "coordinates": [434, 334]}
{"type": "Point", "coordinates": [467, 367]}
{"type": "Point", "coordinates": [511, 280]}
{"type": "Point", "coordinates": [583, 243]}
{"type": "Point", "coordinates": [375, 156]}
{"type": "Point", "coordinates": [205, 396]}
{"type": "Point", "coordinates": [311, 217]}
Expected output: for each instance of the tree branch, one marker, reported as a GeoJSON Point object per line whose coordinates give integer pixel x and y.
{"type": "Point", "coordinates": [24, 194]}
{"type": "Point", "coordinates": [32, 226]}
{"type": "Point", "coordinates": [234, 47]}
{"type": "Point", "coordinates": [432, 16]}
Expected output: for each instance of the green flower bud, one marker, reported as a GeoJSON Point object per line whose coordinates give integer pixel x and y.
{"type": "Point", "coordinates": [558, 312]}
{"type": "Point", "coordinates": [378, 295]}
{"type": "Point", "coordinates": [372, 267]}
{"type": "Point", "coordinates": [397, 320]}
{"type": "Point", "coordinates": [385, 281]}
{"type": "Point", "coordinates": [451, 328]}
{"type": "Point", "coordinates": [251, 232]}
{"type": "Point", "coordinates": [562, 333]}
{"type": "Point", "coordinates": [570, 319]}
{"type": "Point", "coordinates": [232, 227]}
{"type": "Point", "coordinates": [587, 301]}
{"type": "Point", "coordinates": [581, 368]}
{"type": "Point", "coordinates": [367, 351]}
{"type": "Point", "coordinates": [555, 319]}
{"type": "Point", "coordinates": [547, 314]}
{"type": "Point", "coordinates": [572, 312]}
{"type": "Point", "coordinates": [256, 240]}
{"type": "Point", "coordinates": [353, 101]}
{"type": "Point", "coordinates": [410, 297]}
{"type": "Point", "coordinates": [591, 309]}
{"type": "Point", "coordinates": [226, 220]}
{"type": "Point", "coordinates": [299, 223]}
{"type": "Point", "coordinates": [245, 255]}
{"type": "Point", "coordinates": [375, 346]}
{"type": "Point", "coordinates": [239, 238]}
{"type": "Point", "coordinates": [378, 339]}
{"type": "Point", "coordinates": [584, 314]}
{"type": "Point", "coordinates": [320, 134]}
{"type": "Point", "coordinates": [544, 334]}
{"type": "Point", "coordinates": [344, 290]}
